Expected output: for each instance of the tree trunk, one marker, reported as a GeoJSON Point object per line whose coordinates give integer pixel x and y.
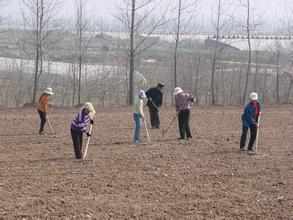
{"type": "Point", "coordinates": [196, 81]}
{"type": "Point", "coordinates": [239, 86]}
{"type": "Point", "coordinates": [79, 79]}
{"type": "Point", "coordinates": [278, 78]}
{"type": "Point", "coordinates": [80, 60]}
{"type": "Point", "coordinates": [223, 85]}
{"type": "Point", "coordinates": [232, 88]}
{"type": "Point", "coordinates": [289, 91]}
{"type": "Point", "coordinates": [37, 52]}
{"type": "Point", "coordinates": [177, 42]}
{"type": "Point", "coordinates": [256, 71]}
{"type": "Point", "coordinates": [214, 61]}
{"type": "Point", "coordinates": [131, 55]}
{"type": "Point", "coordinates": [249, 53]}
{"type": "Point", "coordinates": [265, 85]}
{"type": "Point", "coordinates": [73, 84]}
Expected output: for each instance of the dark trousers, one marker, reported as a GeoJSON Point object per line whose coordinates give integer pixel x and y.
{"type": "Point", "coordinates": [155, 118]}
{"type": "Point", "coordinates": [43, 117]}
{"type": "Point", "coordinates": [183, 121]}
{"type": "Point", "coordinates": [253, 132]}
{"type": "Point", "coordinates": [77, 143]}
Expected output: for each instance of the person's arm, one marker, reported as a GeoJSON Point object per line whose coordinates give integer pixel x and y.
{"type": "Point", "coordinates": [259, 107]}
{"type": "Point", "coordinates": [190, 97]}
{"type": "Point", "coordinates": [141, 108]}
{"type": "Point", "coordinates": [147, 93]}
{"type": "Point", "coordinates": [160, 99]}
{"type": "Point", "coordinates": [177, 104]}
{"type": "Point", "coordinates": [149, 98]}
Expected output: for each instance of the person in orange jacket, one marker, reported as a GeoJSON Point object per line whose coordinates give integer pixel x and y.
{"type": "Point", "coordinates": [43, 108]}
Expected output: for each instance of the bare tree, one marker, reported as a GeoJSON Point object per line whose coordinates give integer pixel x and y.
{"type": "Point", "coordinates": [131, 52]}
{"type": "Point", "coordinates": [177, 40]}
{"type": "Point", "coordinates": [256, 54]}
{"type": "Point", "coordinates": [248, 34]}
{"type": "Point", "coordinates": [80, 28]}
{"type": "Point", "coordinates": [139, 21]}
{"type": "Point", "coordinates": [278, 54]}
{"type": "Point", "coordinates": [40, 15]}
{"type": "Point", "coordinates": [2, 3]}
{"type": "Point", "coordinates": [197, 79]}
{"type": "Point", "coordinates": [215, 54]}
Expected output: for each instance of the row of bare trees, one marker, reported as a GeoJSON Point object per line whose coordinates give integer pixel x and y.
{"type": "Point", "coordinates": [141, 19]}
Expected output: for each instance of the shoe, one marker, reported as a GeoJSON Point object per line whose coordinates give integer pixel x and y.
{"type": "Point", "coordinates": [190, 137]}
{"type": "Point", "coordinates": [41, 132]}
{"type": "Point", "coordinates": [251, 152]}
{"type": "Point", "coordinates": [136, 142]}
{"type": "Point", "coordinates": [242, 149]}
{"type": "Point", "coordinates": [180, 138]}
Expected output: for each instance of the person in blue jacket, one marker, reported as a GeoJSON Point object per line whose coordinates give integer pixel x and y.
{"type": "Point", "coordinates": [250, 118]}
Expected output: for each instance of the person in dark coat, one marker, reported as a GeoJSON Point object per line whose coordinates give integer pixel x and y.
{"type": "Point", "coordinates": [155, 100]}
{"type": "Point", "coordinates": [250, 118]}
{"type": "Point", "coordinates": [183, 102]}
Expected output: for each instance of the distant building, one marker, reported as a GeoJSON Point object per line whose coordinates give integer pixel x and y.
{"type": "Point", "coordinates": [210, 43]}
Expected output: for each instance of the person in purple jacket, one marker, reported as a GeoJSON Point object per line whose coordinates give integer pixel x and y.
{"type": "Point", "coordinates": [183, 102]}
{"type": "Point", "coordinates": [79, 125]}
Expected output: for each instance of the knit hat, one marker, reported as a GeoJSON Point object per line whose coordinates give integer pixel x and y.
{"type": "Point", "coordinates": [89, 106]}
{"type": "Point", "coordinates": [253, 96]}
{"type": "Point", "coordinates": [49, 91]}
{"type": "Point", "coordinates": [142, 94]}
{"type": "Point", "coordinates": [177, 90]}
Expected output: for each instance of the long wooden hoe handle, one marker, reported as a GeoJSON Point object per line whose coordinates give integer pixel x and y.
{"type": "Point", "coordinates": [257, 134]}
{"type": "Point", "coordinates": [169, 126]}
{"type": "Point", "coordinates": [147, 131]}
{"type": "Point", "coordinates": [50, 125]}
{"type": "Point", "coordinates": [87, 143]}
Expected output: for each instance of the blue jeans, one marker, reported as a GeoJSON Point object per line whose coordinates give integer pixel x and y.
{"type": "Point", "coordinates": [136, 117]}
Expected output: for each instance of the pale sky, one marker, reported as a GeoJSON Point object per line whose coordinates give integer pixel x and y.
{"type": "Point", "coordinates": [269, 12]}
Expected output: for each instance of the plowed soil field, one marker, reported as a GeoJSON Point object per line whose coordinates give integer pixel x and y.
{"type": "Point", "coordinates": [204, 178]}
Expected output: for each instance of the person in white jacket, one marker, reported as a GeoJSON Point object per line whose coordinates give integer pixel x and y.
{"type": "Point", "coordinates": [138, 114]}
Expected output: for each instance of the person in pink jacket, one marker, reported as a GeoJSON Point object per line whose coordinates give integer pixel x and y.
{"type": "Point", "coordinates": [183, 102]}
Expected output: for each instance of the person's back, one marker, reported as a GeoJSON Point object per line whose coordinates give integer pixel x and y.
{"type": "Point", "coordinates": [43, 103]}
{"type": "Point", "coordinates": [251, 113]}
{"type": "Point", "coordinates": [154, 96]}
{"type": "Point", "coordinates": [155, 100]}
{"type": "Point", "coordinates": [80, 122]}
{"type": "Point", "coordinates": [183, 101]}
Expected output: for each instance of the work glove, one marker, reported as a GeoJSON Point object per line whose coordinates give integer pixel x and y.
{"type": "Point", "coordinates": [88, 134]}
{"type": "Point", "coordinates": [92, 121]}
